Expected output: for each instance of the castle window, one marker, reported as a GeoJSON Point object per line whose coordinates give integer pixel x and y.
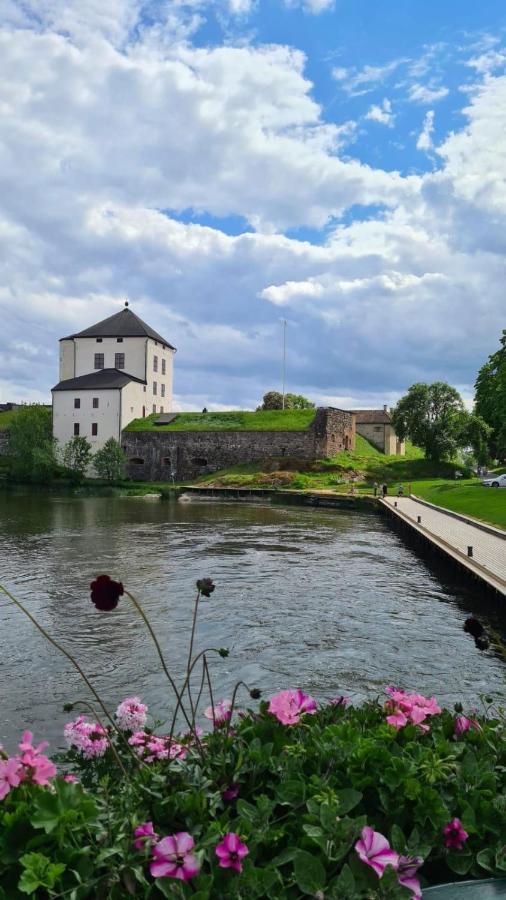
{"type": "Point", "coordinates": [76, 429]}
{"type": "Point", "coordinates": [155, 388]}
{"type": "Point", "coordinates": [166, 461]}
{"type": "Point", "coordinates": [77, 403]}
{"type": "Point", "coordinates": [119, 340]}
{"type": "Point", "coordinates": [155, 364]}
{"type": "Point", "coordinates": [95, 402]}
{"type": "Point", "coordinates": [154, 407]}
{"type": "Point", "coordinates": [94, 429]}
{"type": "Point", "coordinates": [119, 360]}
{"type": "Point", "coordinates": [143, 412]}
{"type": "Point", "coordinates": [99, 340]}
{"type": "Point", "coordinates": [162, 390]}
{"type": "Point", "coordinates": [136, 461]}
{"type": "Point", "coordinates": [161, 409]}
{"type": "Point", "coordinates": [332, 437]}
{"type": "Point", "coordinates": [99, 360]}
{"type": "Point", "coordinates": [199, 461]}
{"type": "Point", "coordinates": [164, 365]}
{"type": "Point", "coordinates": [377, 428]}
{"type": "Point", "coordinates": [144, 388]}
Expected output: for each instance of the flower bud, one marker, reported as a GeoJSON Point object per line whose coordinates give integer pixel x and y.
{"type": "Point", "coordinates": [255, 693]}
{"type": "Point", "coordinates": [224, 652]}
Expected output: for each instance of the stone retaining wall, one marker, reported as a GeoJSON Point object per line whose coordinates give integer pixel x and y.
{"type": "Point", "coordinates": [184, 455]}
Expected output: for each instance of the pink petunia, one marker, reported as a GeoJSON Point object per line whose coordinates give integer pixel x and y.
{"type": "Point", "coordinates": [231, 852]}
{"type": "Point", "coordinates": [144, 834]}
{"type": "Point", "coordinates": [454, 835]}
{"type": "Point", "coordinates": [375, 851]}
{"type": "Point", "coordinates": [221, 713]}
{"type": "Point", "coordinates": [406, 872]}
{"type": "Point", "coordinates": [289, 706]}
{"type": "Point", "coordinates": [172, 858]}
{"type": "Point", "coordinates": [463, 724]}
{"type": "Point", "coordinates": [11, 774]}
{"type": "Point", "coordinates": [404, 708]}
{"type": "Point", "coordinates": [231, 792]}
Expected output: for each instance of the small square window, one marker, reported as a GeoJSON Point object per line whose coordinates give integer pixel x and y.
{"type": "Point", "coordinates": [99, 340]}
{"type": "Point", "coordinates": [155, 388]}
{"type": "Point", "coordinates": [77, 403]}
{"type": "Point", "coordinates": [164, 364]}
{"type": "Point", "coordinates": [76, 429]}
{"type": "Point", "coordinates": [144, 388]}
{"type": "Point", "coordinates": [94, 429]}
{"type": "Point", "coordinates": [99, 360]}
{"type": "Point", "coordinates": [155, 364]}
{"type": "Point", "coordinates": [119, 360]}
{"type": "Point", "coordinates": [119, 340]}
{"type": "Point", "coordinates": [95, 402]}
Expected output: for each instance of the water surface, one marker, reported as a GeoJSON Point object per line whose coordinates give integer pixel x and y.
{"type": "Point", "coordinates": [333, 602]}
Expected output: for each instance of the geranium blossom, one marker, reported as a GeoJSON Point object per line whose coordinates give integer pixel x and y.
{"type": "Point", "coordinates": [463, 724]}
{"type": "Point", "coordinates": [231, 792]}
{"type": "Point", "coordinates": [231, 852]}
{"type": "Point", "coordinates": [88, 738]}
{"type": "Point", "coordinates": [151, 747]}
{"type": "Point", "coordinates": [11, 774]}
{"type": "Point", "coordinates": [131, 714]}
{"type": "Point", "coordinates": [221, 713]}
{"type": "Point", "coordinates": [406, 872]}
{"type": "Point", "coordinates": [404, 707]}
{"type": "Point", "coordinates": [36, 767]}
{"type": "Point", "coordinates": [454, 835]}
{"type": "Point", "coordinates": [143, 834]}
{"type": "Point", "coordinates": [172, 857]}
{"type": "Point", "coordinates": [375, 851]}
{"type": "Point", "coordinates": [289, 706]}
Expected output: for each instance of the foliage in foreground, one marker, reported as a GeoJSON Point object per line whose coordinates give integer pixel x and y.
{"type": "Point", "coordinates": [284, 801]}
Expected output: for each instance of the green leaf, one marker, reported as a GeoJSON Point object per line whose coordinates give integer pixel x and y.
{"type": "Point", "coordinates": [284, 857]}
{"type": "Point", "coordinates": [343, 888]}
{"type": "Point", "coordinates": [460, 862]}
{"type": "Point", "coordinates": [39, 871]}
{"type": "Point", "coordinates": [313, 831]}
{"type": "Point", "coordinates": [247, 811]}
{"type": "Point", "coordinates": [500, 859]}
{"type": "Point", "coordinates": [398, 839]}
{"type": "Point", "coordinates": [486, 859]}
{"type": "Point", "coordinates": [309, 872]}
{"type": "Point", "coordinates": [348, 800]}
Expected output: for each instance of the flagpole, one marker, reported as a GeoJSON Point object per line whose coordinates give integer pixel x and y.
{"type": "Point", "coordinates": [284, 360]}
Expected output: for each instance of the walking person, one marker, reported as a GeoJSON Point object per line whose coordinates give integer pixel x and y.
{"type": "Point", "coordinates": [375, 488]}
{"type": "Point", "coordinates": [384, 489]}
{"type": "Point", "coordinates": [400, 491]}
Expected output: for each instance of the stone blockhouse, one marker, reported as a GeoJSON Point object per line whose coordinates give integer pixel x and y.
{"type": "Point", "coordinates": [376, 426]}
{"type": "Point", "coordinates": [182, 455]}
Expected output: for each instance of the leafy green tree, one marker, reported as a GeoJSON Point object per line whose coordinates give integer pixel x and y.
{"type": "Point", "coordinates": [109, 461]}
{"type": "Point", "coordinates": [433, 417]}
{"type": "Point", "coordinates": [490, 398]}
{"type": "Point", "coordinates": [76, 457]}
{"type": "Point", "coordinates": [274, 400]}
{"type": "Point", "coordinates": [32, 448]}
{"type": "Point", "coordinates": [475, 433]}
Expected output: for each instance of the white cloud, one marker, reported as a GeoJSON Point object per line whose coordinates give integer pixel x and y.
{"type": "Point", "coordinates": [424, 141]}
{"type": "Point", "coordinates": [361, 81]}
{"type": "Point", "coordinates": [488, 62]}
{"type": "Point", "coordinates": [382, 114]}
{"type": "Point", "coordinates": [426, 94]}
{"type": "Point", "coordinates": [311, 6]}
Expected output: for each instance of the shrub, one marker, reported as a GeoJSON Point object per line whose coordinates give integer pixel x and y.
{"type": "Point", "coordinates": [31, 444]}
{"type": "Point", "coordinates": [76, 457]}
{"type": "Point", "coordinates": [109, 461]}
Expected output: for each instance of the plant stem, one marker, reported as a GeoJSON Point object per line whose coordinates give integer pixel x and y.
{"type": "Point", "coordinates": [234, 695]}
{"type": "Point", "coordinates": [208, 676]}
{"type": "Point", "coordinates": [201, 682]}
{"type": "Point", "coordinates": [190, 654]}
{"type": "Point", "coordinates": [188, 673]}
{"type": "Point", "coordinates": [160, 654]}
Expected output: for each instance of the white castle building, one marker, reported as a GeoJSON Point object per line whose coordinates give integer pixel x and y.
{"type": "Point", "coordinates": [118, 370]}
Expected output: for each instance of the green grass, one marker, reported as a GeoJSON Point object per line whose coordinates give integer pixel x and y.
{"type": "Point", "coordinates": [6, 419]}
{"type": "Point", "coordinates": [469, 498]}
{"type": "Point", "coordinates": [265, 420]}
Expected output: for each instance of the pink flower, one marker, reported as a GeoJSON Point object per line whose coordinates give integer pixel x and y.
{"type": "Point", "coordinates": [231, 792]}
{"type": "Point", "coordinates": [406, 871]}
{"type": "Point", "coordinates": [37, 768]}
{"type": "Point", "coordinates": [71, 779]}
{"type": "Point", "coordinates": [454, 835]}
{"type": "Point", "coordinates": [221, 714]}
{"type": "Point", "coordinates": [131, 714]}
{"type": "Point", "coordinates": [11, 774]}
{"type": "Point", "coordinates": [144, 834]}
{"type": "Point", "coordinates": [463, 724]}
{"type": "Point", "coordinates": [88, 738]}
{"type": "Point", "coordinates": [341, 700]}
{"type": "Point", "coordinates": [172, 858]}
{"type": "Point", "coordinates": [288, 706]}
{"type": "Point", "coordinates": [375, 851]}
{"type": "Point", "coordinates": [404, 707]}
{"type": "Point", "coordinates": [231, 851]}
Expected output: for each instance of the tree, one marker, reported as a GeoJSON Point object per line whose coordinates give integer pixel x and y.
{"type": "Point", "coordinates": [490, 398]}
{"type": "Point", "coordinates": [274, 400]}
{"type": "Point", "coordinates": [475, 433]}
{"type": "Point", "coordinates": [109, 461]}
{"type": "Point", "coordinates": [433, 417]}
{"type": "Point", "coordinates": [32, 448]}
{"type": "Point", "coordinates": [76, 457]}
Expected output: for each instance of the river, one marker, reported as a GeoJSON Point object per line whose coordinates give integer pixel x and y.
{"type": "Point", "coordinates": [330, 601]}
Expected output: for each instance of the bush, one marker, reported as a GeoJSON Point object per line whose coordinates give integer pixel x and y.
{"type": "Point", "coordinates": [109, 461]}
{"type": "Point", "coordinates": [32, 449]}
{"type": "Point", "coordinates": [76, 457]}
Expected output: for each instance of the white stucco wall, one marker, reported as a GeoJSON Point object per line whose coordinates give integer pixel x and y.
{"type": "Point", "coordinates": [157, 349]}
{"type": "Point", "coordinates": [133, 348]}
{"type": "Point", "coordinates": [66, 360]}
{"type": "Point", "coordinates": [133, 399]}
{"type": "Point", "coordinates": [107, 416]}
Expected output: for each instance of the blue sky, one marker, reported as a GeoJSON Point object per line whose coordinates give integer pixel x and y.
{"type": "Point", "coordinates": [229, 163]}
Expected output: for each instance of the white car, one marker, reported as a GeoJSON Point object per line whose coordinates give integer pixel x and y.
{"type": "Point", "coordinates": [496, 481]}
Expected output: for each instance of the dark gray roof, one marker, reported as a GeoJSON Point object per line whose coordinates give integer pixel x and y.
{"type": "Point", "coordinates": [102, 379]}
{"type": "Point", "coordinates": [122, 324]}
{"type": "Point", "coordinates": [372, 417]}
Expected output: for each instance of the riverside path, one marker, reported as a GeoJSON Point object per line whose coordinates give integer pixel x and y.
{"type": "Point", "coordinates": [479, 548]}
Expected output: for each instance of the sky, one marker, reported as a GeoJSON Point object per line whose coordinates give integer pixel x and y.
{"type": "Point", "coordinates": [230, 164]}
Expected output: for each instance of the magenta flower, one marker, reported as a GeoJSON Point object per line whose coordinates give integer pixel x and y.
{"type": "Point", "coordinates": [404, 707]}
{"type": "Point", "coordinates": [341, 700]}
{"type": "Point", "coordinates": [37, 767]}
{"type": "Point", "coordinates": [375, 851]}
{"type": "Point", "coordinates": [71, 779]}
{"type": "Point", "coordinates": [144, 834]}
{"type": "Point", "coordinates": [289, 706]}
{"type": "Point", "coordinates": [231, 792]}
{"type": "Point", "coordinates": [172, 858]}
{"type": "Point", "coordinates": [406, 872]}
{"type": "Point", "coordinates": [131, 714]}
{"type": "Point", "coordinates": [231, 852]}
{"type": "Point", "coordinates": [463, 724]}
{"type": "Point", "coordinates": [88, 738]}
{"type": "Point", "coordinates": [11, 774]}
{"type": "Point", "coordinates": [454, 835]}
{"type": "Point", "coordinates": [221, 713]}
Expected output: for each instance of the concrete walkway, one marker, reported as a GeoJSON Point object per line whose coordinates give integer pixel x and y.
{"type": "Point", "coordinates": [454, 535]}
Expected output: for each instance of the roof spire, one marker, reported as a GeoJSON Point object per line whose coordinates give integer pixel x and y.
{"type": "Point", "coordinates": [126, 302]}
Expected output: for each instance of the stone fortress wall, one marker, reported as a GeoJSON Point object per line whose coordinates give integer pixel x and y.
{"type": "Point", "coordinates": [182, 455]}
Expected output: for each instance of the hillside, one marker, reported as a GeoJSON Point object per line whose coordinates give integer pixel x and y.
{"type": "Point", "coordinates": [241, 420]}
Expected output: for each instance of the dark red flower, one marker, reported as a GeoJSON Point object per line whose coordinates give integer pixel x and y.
{"type": "Point", "coordinates": [105, 593]}
{"type": "Point", "coordinates": [205, 586]}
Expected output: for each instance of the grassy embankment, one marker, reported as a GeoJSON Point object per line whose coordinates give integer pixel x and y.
{"type": "Point", "coordinates": [241, 420]}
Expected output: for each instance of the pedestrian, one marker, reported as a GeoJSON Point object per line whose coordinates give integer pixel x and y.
{"type": "Point", "coordinates": [400, 491]}
{"type": "Point", "coordinates": [384, 490]}
{"type": "Point", "coordinates": [375, 488]}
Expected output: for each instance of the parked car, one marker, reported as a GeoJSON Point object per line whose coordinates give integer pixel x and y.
{"type": "Point", "coordinates": [495, 481]}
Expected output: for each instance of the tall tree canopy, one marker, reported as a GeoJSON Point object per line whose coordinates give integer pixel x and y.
{"type": "Point", "coordinates": [31, 445]}
{"type": "Point", "coordinates": [490, 398]}
{"type": "Point", "coordinates": [433, 417]}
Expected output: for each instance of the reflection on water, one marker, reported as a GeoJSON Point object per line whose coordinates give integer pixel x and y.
{"type": "Point", "coordinates": [330, 601]}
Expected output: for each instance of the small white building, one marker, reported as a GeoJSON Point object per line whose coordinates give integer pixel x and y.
{"type": "Point", "coordinates": [118, 370]}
